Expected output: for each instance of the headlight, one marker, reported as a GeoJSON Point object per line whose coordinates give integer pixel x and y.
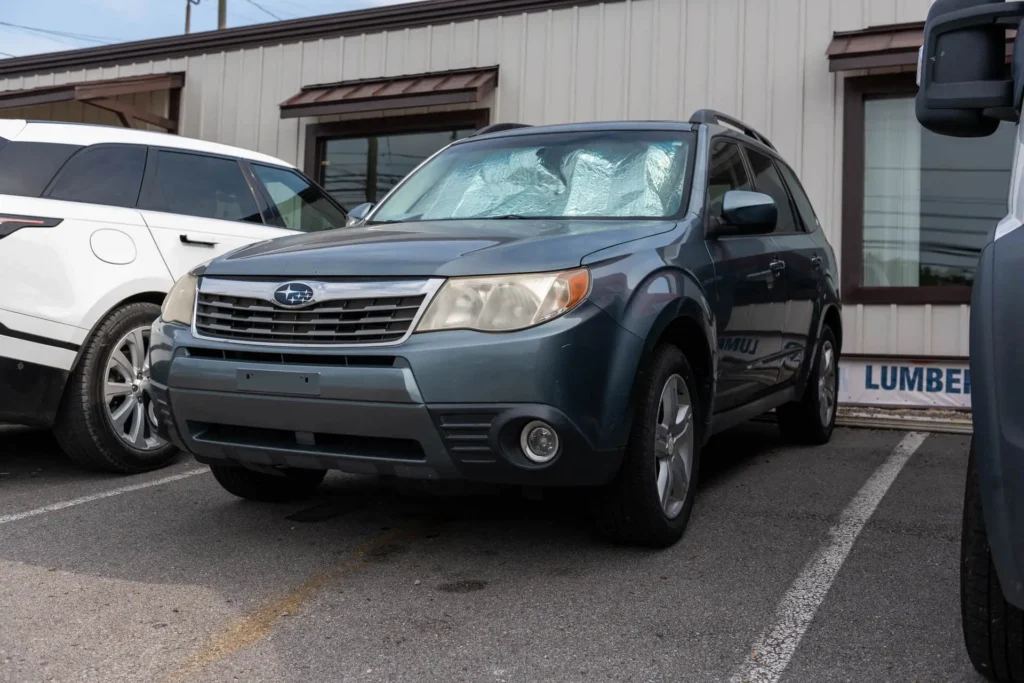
{"type": "Point", "coordinates": [180, 301]}
{"type": "Point", "coordinates": [505, 302]}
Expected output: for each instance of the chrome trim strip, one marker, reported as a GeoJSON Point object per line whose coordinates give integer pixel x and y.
{"type": "Point", "coordinates": [325, 291]}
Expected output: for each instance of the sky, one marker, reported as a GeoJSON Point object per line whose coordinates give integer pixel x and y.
{"type": "Point", "coordinates": [87, 23]}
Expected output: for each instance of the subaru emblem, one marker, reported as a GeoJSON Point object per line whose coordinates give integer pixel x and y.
{"type": "Point", "coordinates": [293, 295]}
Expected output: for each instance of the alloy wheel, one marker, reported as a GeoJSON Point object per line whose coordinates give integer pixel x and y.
{"type": "Point", "coordinates": [673, 445]}
{"type": "Point", "coordinates": [126, 399]}
{"type": "Point", "coordinates": [827, 383]}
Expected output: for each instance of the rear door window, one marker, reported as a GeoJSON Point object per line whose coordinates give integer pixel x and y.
{"type": "Point", "coordinates": [198, 185]}
{"type": "Point", "coordinates": [105, 174]}
{"type": "Point", "coordinates": [301, 204]}
{"type": "Point", "coordinates": [803, 203]}
{"type": "Point", "coordinates": [768, 181]}
{"type": "Point", "coordinates": [26, 168]}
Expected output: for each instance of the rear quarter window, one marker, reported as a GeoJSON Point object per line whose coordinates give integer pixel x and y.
{"type": "Point", "coordinates": [26, 168]}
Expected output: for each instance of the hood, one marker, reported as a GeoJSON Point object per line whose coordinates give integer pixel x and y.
{"type": "Point", "coordinates": [440, 249]}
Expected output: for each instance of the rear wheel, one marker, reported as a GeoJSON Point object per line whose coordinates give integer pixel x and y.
{"type": "Point", "coordinates": [290, 484]}
{"type": "Point", "coordinates": [650, 500]}
{"type": "Point", "coordinates": [106, 419]}
{"type": "Point", "coordinates": [813, 418]}
{"type": "Point", "coordinates": [993, 628]}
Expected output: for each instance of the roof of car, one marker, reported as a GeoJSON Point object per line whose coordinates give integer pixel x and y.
{"type": "Point", "coordinates": [588, 127]}
{"type": "Point", "coordinates": [92, 134]}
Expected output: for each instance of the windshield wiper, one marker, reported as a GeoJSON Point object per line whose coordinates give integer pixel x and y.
{"type": "Point", "coordinates": [506, 217]}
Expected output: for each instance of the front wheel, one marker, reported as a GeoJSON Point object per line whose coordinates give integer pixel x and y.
{"type": "Point", "coordinates": [813, 419]}
{"type": "Point", "coordinates": [106, 419]}
{"type": "Point", "coordinates": [650, 500]}
{"type": "Point", "coordinates": [993, 628]}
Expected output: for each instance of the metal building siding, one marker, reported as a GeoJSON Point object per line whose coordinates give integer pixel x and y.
{"type": "Point", "coordinates": [763, 60]}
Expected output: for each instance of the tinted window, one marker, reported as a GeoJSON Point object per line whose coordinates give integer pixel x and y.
{"type": "Point", "coordinates": [26, 168]}
{"type": "Point", "coordinates": [198, 185]}
{"type": "Point", "coordinates": [768, 181]}
{"type": "Point", "coordinates": [301, 204]}
{"type": "Point", "coordinates": [110, 175]}
{"type": "Point", "coordinates": [803, 204]}
{"type": "Point", "coordinates": [727, 173]}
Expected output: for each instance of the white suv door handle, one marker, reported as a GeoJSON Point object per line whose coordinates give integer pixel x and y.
{"type": "Point", "coordinates": [185, 239]}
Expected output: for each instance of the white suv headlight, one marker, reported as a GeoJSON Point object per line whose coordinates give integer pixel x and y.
{"type": "Point", "coordinates": [180, 302]}
{"type": "Point", "coordinates": [503, 303]}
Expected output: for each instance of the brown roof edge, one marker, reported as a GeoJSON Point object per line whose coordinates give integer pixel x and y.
{"type": "Point", "coordinates": [345, 23]}
{"type": "Point", "coordinates": [461, 86]}
{"type": "Point", "coordinates": [91, 90]}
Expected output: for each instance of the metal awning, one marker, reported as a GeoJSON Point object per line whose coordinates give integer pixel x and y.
{"type": "Point", "coordinates": [103, 94]}
{"type": "Point", "coordinates": [880, 46]}
{"type": "Point", "coordinates": [421, 90]}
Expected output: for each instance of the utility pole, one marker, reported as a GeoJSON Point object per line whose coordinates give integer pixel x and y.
{"type": "Point", "coordinates": [222, 14]}
{"type": "Point", "coordinates": [188, 14]}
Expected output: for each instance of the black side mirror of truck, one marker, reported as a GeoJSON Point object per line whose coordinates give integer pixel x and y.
{"type": "Point", "coordinates": [966, 85]}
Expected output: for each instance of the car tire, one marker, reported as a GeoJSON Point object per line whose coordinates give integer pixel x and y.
{"type": "Point", "coordinates": [813, 419]}
{"type": "Point", "coordinates": [634, 509]}
{"type": "Point", "coordinates": [85, 427]}
{"type": "Point", "coordinates": [993, 628]}
{"type": "Point", "coordinates": [290, 484]}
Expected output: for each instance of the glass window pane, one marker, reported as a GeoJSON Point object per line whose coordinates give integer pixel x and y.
{"type": "Point", "coordinates": [26, 168]}
{"type": "Point", "coordinates": [929, 200]}
{"type": "Point", "coordinates": [727, 173]}
{"type": "Point", "coordinates": [197, 185]}
{"type": "Point", "coordinates": [301, 204]}
{"type": "Point", "coordinates": [103, 175]}
{"type": "Point", "coordinates": [803, 204]}
{"type": "Point", "coordinates": [358, 170]}
{"type": "Point", "coordinates": [768, 181]}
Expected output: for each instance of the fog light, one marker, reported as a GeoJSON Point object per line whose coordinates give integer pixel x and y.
{"type": "Point", "coordinates": [539, 442]}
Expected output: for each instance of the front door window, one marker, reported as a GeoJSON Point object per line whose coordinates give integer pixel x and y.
{"type": "Point", "coordinates": [364, 169]}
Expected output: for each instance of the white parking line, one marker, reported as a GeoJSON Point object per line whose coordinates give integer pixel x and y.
{"type": "Point", "coordinates": [771, 652]}
{"type": "Point", "coordinates": [4, 519]}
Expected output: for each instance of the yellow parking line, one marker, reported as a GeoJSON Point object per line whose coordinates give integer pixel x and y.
{"type": "Point", "coordinates": [249, 629]}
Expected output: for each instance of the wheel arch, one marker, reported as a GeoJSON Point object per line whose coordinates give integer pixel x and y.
{"type": "Point", "coordinates": [102, 311]}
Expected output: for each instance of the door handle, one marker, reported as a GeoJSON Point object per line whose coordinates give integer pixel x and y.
{"type": "Point", "coordinates": [778, 266]}
{"type": "Point", "coordinates": [185, 239]}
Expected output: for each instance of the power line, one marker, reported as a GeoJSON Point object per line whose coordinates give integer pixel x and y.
{"type": "Point", "coordinates": [7, 54]}
{"type": "Point", "coordinates": [61, 34]}
{"type": "Point", "coordinates": [261, 7]}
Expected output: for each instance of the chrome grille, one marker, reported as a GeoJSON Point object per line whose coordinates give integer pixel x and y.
{"type": "Point", "coordinates": [360, 319]}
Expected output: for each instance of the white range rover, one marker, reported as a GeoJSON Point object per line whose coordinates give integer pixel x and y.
{"type": "Point", "coordinates": [96, 224]}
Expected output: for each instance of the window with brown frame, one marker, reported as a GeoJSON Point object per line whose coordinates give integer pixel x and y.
{"type": "Point", "coordinates": [917, 207]}
{"type": "Point", "coordinates": [361, 160]}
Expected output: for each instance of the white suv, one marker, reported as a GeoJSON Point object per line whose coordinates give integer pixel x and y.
{"type": "Point", "coordinates": [96, 223]}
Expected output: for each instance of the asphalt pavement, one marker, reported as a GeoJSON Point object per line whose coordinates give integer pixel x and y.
{"type": "Point", "coordinates": [165, 577]}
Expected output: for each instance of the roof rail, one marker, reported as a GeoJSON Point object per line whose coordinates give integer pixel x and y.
{"type": "Point", "coordinates": [496, 127]}
{"type": "Point", "coordinates": [718, 118]}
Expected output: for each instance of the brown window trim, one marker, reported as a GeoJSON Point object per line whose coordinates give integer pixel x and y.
{"type": "Point", "coordinates": [316, 133]}
{"type": "Point", "coordinates": [856, 89]}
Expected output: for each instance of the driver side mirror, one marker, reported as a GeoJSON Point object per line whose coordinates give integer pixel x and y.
{"type": "Point", "coordinates": [746, 213]}
{"type": "Point", "coordinates": [357, 216]}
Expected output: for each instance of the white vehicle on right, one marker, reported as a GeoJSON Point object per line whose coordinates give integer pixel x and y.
{"type": "Point", "coordinates": [96, 224]}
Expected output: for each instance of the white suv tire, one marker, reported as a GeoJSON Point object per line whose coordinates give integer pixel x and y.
{"type": "Point", "coordinates": [105, 417]}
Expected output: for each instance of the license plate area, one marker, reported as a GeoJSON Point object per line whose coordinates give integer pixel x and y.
{"type": "Point", "coordinates": [278, 382]}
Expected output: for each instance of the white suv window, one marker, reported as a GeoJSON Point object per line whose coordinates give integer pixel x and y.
{"type": "Point", "coordinates": [105, 174]}
{"type": "Point", "coordinates": [199, 185]}
{"type": "Point", "coordinates": [302, 205]}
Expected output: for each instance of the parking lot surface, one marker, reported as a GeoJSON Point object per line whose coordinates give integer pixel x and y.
{"type": "Point", "coordinates": [165, 577]}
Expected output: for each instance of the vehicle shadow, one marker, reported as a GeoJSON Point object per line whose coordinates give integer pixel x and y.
{"type": "Point", "coordinates": [28, 453]}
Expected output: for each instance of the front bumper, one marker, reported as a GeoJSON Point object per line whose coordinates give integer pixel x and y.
{"type": "Point", "coordinates": [447, 405]}
{"type": "Point", "coordinates": [997, 378]}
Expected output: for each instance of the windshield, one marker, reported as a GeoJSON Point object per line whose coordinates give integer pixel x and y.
{"type": "Point", "coordinates": [605, 174]}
